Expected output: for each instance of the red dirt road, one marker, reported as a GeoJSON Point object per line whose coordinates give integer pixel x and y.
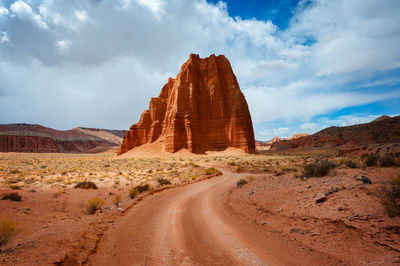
{"type": "Point", "coordinates": [191, 226]}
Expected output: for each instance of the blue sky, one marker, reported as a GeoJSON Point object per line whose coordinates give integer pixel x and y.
{"type": "Point", "coordinates": [302, 65]}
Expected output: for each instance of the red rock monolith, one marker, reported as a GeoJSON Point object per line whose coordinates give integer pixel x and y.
{"type": "Point", "coordinates": [202, 109]}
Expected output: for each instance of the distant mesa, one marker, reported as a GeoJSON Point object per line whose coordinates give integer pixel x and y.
{"type": "Point", "coordinates": [202, 109]}
{"type": "Point", "coordinates": [40, 139]}
{"type": "Point", "coordinates": [381, 135]}
{"type": "Point", "coordinates": [266, 145]}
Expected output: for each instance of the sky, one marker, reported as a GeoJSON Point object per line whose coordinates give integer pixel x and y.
{"type": "Point", "coordinates": [302, 65]}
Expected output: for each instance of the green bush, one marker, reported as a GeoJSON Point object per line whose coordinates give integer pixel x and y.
{"type": "Point", "coordinates": [94, 205]}
{"type": "Point", "coordinates": [7, 230]}
{"type": "Point", "coordinates": [318, 168]}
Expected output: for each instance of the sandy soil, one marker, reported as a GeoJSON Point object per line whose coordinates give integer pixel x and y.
{"type": "Point", "coordinates": [274, 219]}
{"type": "Point", "coordinates": [190, 226]}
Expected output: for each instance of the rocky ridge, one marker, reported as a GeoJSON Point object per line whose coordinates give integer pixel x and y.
{"type": "Point", "coordinates": [37, 138]}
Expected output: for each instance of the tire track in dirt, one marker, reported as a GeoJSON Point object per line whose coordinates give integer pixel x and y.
{"type": "Point", "coordinates": [186, 226]}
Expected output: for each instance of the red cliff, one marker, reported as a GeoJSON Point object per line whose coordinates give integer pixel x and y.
{"type": "Point", "coordinates": [202, 109]}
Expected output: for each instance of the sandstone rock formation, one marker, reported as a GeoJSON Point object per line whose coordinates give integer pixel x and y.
{"type": "Point", "coordinates": [381, 135]}
{"type": "Point", "coordinates": [37, 138]}
{"type": "Point", "coordinates": [202, 109]}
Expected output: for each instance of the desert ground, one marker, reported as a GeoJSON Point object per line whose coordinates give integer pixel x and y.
{"type": "Point", "coordinates": [216, 209]}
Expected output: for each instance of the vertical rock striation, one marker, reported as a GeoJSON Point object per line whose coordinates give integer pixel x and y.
{"type": "Point", "coordinates": [202, 109]}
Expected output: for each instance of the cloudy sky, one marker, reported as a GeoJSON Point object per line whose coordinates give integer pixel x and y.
{"type": "Point", "coordinates": [302, 65]}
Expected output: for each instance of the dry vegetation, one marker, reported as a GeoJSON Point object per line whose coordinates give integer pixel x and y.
{"type": "Point", "coordinates": [61, 188]}
{"type": "Point", "coordinates": [33, 171]}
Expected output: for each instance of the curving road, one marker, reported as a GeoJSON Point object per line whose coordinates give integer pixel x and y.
{"type": "Point", "coordinates": [188, 226]}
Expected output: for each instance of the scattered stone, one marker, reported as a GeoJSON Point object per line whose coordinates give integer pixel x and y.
{"type": "Point", "coordinates": [300, 191]}
{"type": "Point", "coordinates": [264, 222]}
{"type": "Point", "coordinates": [251, 193]}
{"type": "Point", "coordinates": [366, 180]}
{"type": "Point", "coordinates": [279, 210]}
{"type": "Point", "coordinates": [333, 173]}
{"type": "Point", "coordinates": [321, 197]}
{"type": "Point", "coordinates": [340, 209]}
{"type": "Point", "coordinates": [313, 234]}
{"type": "Point", "coordinates": [120, 210]}
{"type": "Point", "coordinates": [294, 230]}
{"type": "Point", "coordinates": [332, 190]}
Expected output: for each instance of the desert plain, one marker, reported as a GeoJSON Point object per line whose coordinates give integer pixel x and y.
{"type": "Point", "coordinates": [221, 208]}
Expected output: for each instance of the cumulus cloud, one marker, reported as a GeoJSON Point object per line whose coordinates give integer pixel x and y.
{"type": "Point", "coordinates": [23, 11]}
{"type": "Point", "coordinates": [97, 63]}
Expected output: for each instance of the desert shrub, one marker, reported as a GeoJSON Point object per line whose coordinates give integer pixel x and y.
{"type": "Point", "coordinates": [163, 181]}
{"type": "Point", "coordinates": [143, 188]}
{"type": "Point", "coordinates": [370, 159]}
{"type": "Point", "coordinates": [239, 168]}
{"type": "Point", "coordinates": [388, 161]}
{"type": "Point", "coordinates": [7, 230]}
{"type": "Point", "coordinates": [13, 172]}
{"type": "Point", "coordinates": [14, 196]}
{"type": "Point", "coordinates": [350, 163]}
{"type": "Point", "coordinates": [318, 168]}
{"type": "Point", "coordinates": [133, 192]}
{"type": "Point", "coordinates": [212, 171]}
{"type": "Point", "coordinates": [390, 196]}
{"type": "Point", "coordinates": [94, 205]}
{"type": "Point", "coordinates": [12, 180]}
{"type": "Point", "coordinates": [86, 185]}
{"type": "Point", "coordinates": [241, 182]}
{"type": "Point", "coordinates": [117, 199]}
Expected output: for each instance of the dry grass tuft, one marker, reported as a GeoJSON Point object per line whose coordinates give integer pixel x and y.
{"type": "Point", "coordinates": [390, 196]}
{"type": "Point", "coordinates": [94, 205]}
{"type": "Point", "coordinates": [8, 229]}
{"type": "Point", "coordinates": [318, 168]}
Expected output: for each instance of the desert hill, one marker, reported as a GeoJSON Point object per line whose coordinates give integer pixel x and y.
{"type": "Point", "coordinates": [380, 135]}
{"type": "Point", "coordinates": [202, 109]}
{"type": "Point", "coordinates": [37, 138]}
{"type": "Point", "coordinates": [266, 145]}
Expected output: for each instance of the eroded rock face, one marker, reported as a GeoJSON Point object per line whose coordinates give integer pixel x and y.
{"type": "Point", "coordinates": [202, 109]}
{"type": "Point", "coordinates": [37, 138]}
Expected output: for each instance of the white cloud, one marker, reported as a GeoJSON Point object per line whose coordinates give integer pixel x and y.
{"type": "Point", "coordinates": [81, 15]}
{"type": "Point", "coordinates": [3, 11]}
{"type": "Point", "coordinates": [63, 45]}
{"type": "Point", "coordinates": [4, 37]}
{"type": "Point", "coordinates": [156, 6]}
{"type": "Point", "coordinates": [131, 47]}
{"type": "Point", "coordinates": [23, 11]}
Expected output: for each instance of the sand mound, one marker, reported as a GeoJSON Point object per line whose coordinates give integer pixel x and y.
{"type": "Point", "coordinates": [157, 149]}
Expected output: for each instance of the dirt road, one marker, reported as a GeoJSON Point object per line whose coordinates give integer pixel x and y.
{"type": "Point", "coordinates": [191, 226]}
